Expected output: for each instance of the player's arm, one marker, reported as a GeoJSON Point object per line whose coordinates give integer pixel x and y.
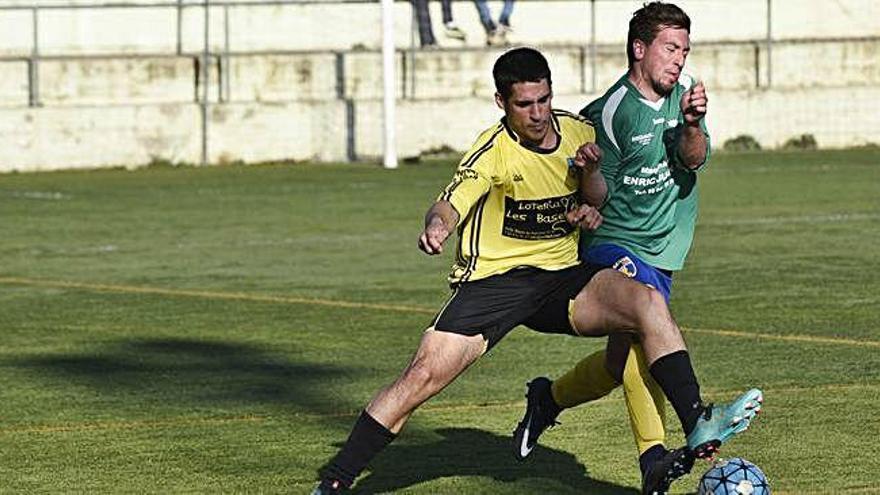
{"type": "Point", "coordinates": [693, 145]}
{"type": "Point", "coordinates": [439, 222]}
{"type": "Point", "coordinates": [471, 181]}
{"type": "Point", "coordinates": [594, 189]}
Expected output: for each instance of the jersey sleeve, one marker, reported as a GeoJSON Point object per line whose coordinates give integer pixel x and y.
{"type": "Point", "coordinates": [476, 174]}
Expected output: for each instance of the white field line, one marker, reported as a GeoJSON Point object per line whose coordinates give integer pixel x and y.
{"type": "Point", "coordinates": [39, 195]}
{"type": "Point", "coordinates": [343, 239]}
{"type": "Point", "coordinates": [238, 296]}
{"type": "Point", "coordinates": [485, 407]}
{"type": "Point", "coordinates": [782, 220]}
{"type": "Point", "coordinates": [241, 296]}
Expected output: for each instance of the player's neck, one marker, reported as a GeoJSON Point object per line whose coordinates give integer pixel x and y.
{"type": "Point", "coordinates": [642, 82]}
{"type": "Point", "coordinates": [549, 142]}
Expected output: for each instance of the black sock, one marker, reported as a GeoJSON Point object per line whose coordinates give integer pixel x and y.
{"type": "Point", "coordinates": [650, 456]}
{"type": "Point", "coordinates": [368, 437]}
{"type": "Point", "coordinates": [675, 375]}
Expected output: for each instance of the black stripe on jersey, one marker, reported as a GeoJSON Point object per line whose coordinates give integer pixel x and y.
{"type": "Point", "coordinates": [474, 240]}
{"type": "Point", "coordinates": [473, 158]}
{"type": "Point", "coordinates": [564, 113]}
{"type": "Point", "coordinates": [554, 118]}
{"type": "Point", "coordinates": [459, 249]}
{"type": "Point", "coordinates": [470, 163]}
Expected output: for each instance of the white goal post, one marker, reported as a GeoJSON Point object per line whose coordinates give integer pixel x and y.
{"type": "Point", "coordinates": [388, 85]}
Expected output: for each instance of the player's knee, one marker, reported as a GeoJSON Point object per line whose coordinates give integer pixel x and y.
{"type": "Point", "coordinates": [420, 375]}
{"type": "Point", "coordinates": [652, 312]}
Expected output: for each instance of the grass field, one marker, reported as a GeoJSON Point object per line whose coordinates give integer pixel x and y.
{"type": "Point", "coordinates": [217, 330]}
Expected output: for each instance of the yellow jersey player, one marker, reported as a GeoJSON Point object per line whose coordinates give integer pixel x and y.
{"type": "Point", "coordinates": [514, 202]}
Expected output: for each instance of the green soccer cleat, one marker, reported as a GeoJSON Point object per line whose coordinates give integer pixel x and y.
{"type": "Point", "coordinates": [717, 424]}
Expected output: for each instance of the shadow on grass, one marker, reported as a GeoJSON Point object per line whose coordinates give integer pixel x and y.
{"type": "Point", "coordinates": [472, 452]}
{"type": "Point", "coordinates": [185, 372]}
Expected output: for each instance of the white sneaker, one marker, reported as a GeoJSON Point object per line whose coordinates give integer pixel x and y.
{"type": "Point", "coordinates": [454, 32]}
{"type": "Point", "coordinates": [497, 38]}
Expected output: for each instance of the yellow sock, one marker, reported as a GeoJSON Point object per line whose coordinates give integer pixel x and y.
{"type": "Point", "coordinates": [587, 381]}
{"type": "Point", "coordinates": [645, 401]}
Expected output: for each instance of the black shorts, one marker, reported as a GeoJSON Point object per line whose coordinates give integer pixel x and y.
{"type": "Point", "coordinates": [493, 306]}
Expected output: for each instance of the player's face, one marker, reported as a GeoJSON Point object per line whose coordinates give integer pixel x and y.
{"type": "Point", "coordinates": [528, 110]}
{"type": "Point", "coordinates": [663, 60]}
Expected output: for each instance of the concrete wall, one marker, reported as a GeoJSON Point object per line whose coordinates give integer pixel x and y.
{"type": "Point", "coordinates": [86, 137]}
{"type": "Point", "coordinates": [837, 117]}
{"type": "Point", "coordinates": [348, 26]}
{"type": "Point", "coordinates": [105, 108]}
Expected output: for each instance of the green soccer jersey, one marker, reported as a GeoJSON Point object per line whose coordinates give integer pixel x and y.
{"type": "Point", "coordinates": [652, 199]}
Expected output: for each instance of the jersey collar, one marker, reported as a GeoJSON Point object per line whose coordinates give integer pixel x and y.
{"type": "Point", "coordinates": [554, 123]}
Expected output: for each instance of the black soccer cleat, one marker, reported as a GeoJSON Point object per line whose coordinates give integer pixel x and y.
{"type": "Point", "coordinates": [541, 414]}
{"type": "Point", "coordinates": [328, 487]}
{"type": "Point", "coordinates": [672, 465]}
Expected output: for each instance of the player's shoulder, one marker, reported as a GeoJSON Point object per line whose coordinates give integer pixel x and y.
{"type": "Point", "coordinates": [486, 146]}
{"type": "Point", "coordinates": [489, 137]}
{"type": "Point", "coordinates": [572, 123]}
{"type": "Point", "coordinates": [607, 106]}
{"type": "Point", "coordinates": [566, 116]}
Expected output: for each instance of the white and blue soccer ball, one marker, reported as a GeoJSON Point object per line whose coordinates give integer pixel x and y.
{"type": "Point", "coordinates": [735, 476]}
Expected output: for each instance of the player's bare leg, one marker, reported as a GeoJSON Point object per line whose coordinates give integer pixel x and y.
{"type": "Point", "coordinates": [440, 358]}
{"type": "Point", "coordinates": [612, 303]}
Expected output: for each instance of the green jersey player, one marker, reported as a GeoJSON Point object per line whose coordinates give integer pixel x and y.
{"type": "Point", "coordinates": [653, 138]}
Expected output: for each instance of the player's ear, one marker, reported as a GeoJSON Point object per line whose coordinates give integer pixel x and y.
{"type": "Point", "coordinates": [499, 100]}
{"type": "Point", "coordinates": [639, 48]}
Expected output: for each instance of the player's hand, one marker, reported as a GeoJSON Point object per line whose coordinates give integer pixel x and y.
{"type": "Point", "coordinates": [432, 238]}
{"type": "Point", "coordinates": [587, 157]}
{"type": "Point", "coordinates": [694, 103]}
{"type": "Point", "coordinates": [585, 217]}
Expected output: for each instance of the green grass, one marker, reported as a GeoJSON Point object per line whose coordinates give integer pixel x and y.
{"type": "Point", "coordinates": [189, 330]}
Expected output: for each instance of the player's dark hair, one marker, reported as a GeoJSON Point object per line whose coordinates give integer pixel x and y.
{"type": "Point", "coordinates": [649, 20]}
{"type": "Point", "coordinates": [519, 65]}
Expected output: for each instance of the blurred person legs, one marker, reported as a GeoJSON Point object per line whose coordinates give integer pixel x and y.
{"type": "Point", "coordinates": [451, 30]}
{"type": "Point", "coordinates": [423, 19]}
{"type": "Point", "coordinates": [504, 18]}
{"type": "Point", "coordinates": [496, 33]}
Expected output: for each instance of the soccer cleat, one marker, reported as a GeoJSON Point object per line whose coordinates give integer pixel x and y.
{"type": "Point", "coordinates": [673, 465]}
{"type": "Point", "coordinates": [717, 424]}
{"type": "Point", "coordinates": [327, 487]}
{"type": "Point", "coordinates": [541, 414]}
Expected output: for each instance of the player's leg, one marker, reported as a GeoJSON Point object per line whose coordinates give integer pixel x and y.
{"type": "Point", "coordinates": [587, 381]}
{"type": "Point", "coordinates": [440, 358]}
{"type": "Point", "coordinates": [475, 318]}
{"type": "Point", "coordinates": [612, 303]}
{"type": "Point", "coordinates": [645, 405]}
{"type": "Point", "coordinates": [599, 373]}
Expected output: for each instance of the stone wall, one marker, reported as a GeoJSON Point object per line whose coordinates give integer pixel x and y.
{"type": "Point", "coordinates": [116, 93]}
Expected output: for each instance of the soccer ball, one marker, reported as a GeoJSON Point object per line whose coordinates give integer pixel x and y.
{"type": "Point", "coordinates": [735, 476]}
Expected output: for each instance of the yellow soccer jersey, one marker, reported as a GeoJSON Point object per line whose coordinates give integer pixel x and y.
{"type": "Point", "coordinates": [512, 200]}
